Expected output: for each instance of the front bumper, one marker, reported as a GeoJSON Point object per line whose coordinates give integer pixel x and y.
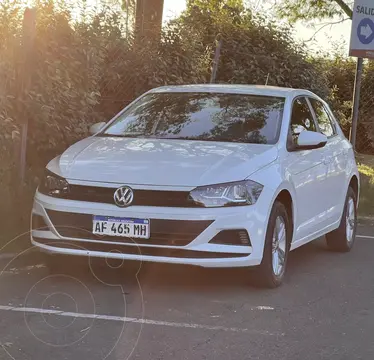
{"type": "Point", "coordinates": [199, 251]}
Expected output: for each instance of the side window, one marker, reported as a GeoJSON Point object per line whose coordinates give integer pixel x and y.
{"type": "Point", "coordinates": [323, 118]}
{"type": "Point", "coordinates": [301, 118]}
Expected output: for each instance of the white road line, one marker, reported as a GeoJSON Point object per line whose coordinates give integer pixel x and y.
{"type": "Point", "coordinates": [364, 237]}
{"type": "Point", "coordinates": [262, 308]}
{"type": "Point", "coordinates": [133, 320]}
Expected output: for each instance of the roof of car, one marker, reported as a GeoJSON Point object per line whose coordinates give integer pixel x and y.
{"type": "Point", "coordinates": [235, 89]}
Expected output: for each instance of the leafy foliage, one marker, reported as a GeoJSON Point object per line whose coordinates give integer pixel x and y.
{"type": "Point", "coordinates": [306, 10]}
{"type": "Point", "coordinates": [253, 48]}
{"type": "Point", "coordinates": [339, 73]}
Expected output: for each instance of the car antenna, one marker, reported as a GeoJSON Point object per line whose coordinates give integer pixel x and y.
{"type": "Point", "coordinates": [267, 79]}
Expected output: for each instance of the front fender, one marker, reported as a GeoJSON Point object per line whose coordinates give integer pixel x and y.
{"type": "Point", "coordinates": [273, 179]}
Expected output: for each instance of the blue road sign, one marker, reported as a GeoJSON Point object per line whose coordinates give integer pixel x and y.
{"type": "Point", "coordinates": [365, 31]}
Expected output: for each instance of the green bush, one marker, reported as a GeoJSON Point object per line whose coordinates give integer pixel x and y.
{"type": "Point", "coordinates": [340, 72]}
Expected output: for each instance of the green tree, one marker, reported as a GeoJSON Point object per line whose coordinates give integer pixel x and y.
{"type": "Point", "coordinates": [215, 5]}
{"type": "Point", "coordinates": [306, 10]}
{"type": "Point", "coordinates": [338, 70]}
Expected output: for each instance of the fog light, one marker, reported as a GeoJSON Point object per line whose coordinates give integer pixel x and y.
{"type": "Point", "coordinates": [244, 239]}
{"type": "Point", "coordinates": [232, 237]}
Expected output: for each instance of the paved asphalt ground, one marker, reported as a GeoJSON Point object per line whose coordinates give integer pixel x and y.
{"type": "Point", "coordinates": [325, 310]}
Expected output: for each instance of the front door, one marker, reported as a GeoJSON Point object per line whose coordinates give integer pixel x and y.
{"type": "Point", "coordinates": [335, 157]}
{"type": "Point", "coordinates": [307, 171]}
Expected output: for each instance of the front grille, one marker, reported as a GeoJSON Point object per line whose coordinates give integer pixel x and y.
{"type": "Point", "coordinates": [134, 250]}
{"type": "Point", "coordinates": [141, 197]}
{"type": "Point", "coordinates": [163, 232]}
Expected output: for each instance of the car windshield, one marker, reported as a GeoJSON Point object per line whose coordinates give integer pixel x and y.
{"type": "Point", "coordinates": [202, 116]}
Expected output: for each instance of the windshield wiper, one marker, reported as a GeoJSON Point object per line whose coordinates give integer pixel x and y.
{"type": "Point", "coordinates": [120, 136]}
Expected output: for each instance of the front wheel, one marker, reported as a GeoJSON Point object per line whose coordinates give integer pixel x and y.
{"type": "Point", "coordinates": [271, 272]}
{"type": "Point", "coordinates": [342, 239]}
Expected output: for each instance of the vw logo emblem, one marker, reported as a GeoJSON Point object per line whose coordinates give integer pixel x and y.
{"type": "Point", "coordinates": [123, 196]}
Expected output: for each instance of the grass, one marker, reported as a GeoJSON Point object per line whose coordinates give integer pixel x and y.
{"type": "Point", "coordinates": [366, 169]}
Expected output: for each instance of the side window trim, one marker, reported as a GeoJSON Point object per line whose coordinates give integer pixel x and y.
{"type": "Point", "coordinates": [332, 120]}
{"type": "Point", "coordinates": [313, 114]}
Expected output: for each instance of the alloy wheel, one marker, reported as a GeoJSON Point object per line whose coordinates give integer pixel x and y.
{"type": "Point", "coordinates": [279, 246]}
{"type": "Point", "coordinates": [350, 220]}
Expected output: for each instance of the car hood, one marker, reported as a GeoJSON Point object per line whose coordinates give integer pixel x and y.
{"type": "Point", "coordinates": [162, 162]}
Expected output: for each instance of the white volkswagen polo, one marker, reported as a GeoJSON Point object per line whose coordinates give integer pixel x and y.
{"type": "Point", "coordinates": [206, 175]}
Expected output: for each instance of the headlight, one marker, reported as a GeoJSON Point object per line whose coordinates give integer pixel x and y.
{"type": "Point", "coordinates": [231, 194]}
{"type": "Point", "coordinates": [53, 185]}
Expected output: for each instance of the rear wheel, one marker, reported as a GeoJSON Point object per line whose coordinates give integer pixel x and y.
{"type": "Point", "coordinates": [342, 239]}
{"type": "Point", "coordinates": [271, 272]}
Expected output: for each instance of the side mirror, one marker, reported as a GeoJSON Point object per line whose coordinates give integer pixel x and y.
{"type": "Point", "coordinates": [309, 140]}
{"type": "Point", "coordinates": [95, 128]}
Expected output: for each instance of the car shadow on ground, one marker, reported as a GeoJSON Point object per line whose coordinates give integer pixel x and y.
{"type": "Point", "coordinates": [178, 277]}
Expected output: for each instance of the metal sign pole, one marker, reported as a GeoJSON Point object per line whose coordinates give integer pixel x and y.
{"type": "Point", "coordinates": [356, 101]}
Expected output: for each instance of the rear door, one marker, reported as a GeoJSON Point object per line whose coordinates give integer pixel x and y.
{"type": "Point", "coordinates": [307, 172]}
{"type": "Point", "coordinates": [335, 158]}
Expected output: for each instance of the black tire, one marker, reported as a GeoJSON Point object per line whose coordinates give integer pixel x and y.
{"type": "Point", "coordinates": [337, 240]}
{"type": "Point", "coordinates": [265, 275]}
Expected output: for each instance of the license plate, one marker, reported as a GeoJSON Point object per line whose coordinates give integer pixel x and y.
{"type": "Point", "coordinates": [124, 227]}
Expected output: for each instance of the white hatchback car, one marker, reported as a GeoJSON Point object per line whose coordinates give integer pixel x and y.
{"type": "Point", "coordinates": [206, 175]}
